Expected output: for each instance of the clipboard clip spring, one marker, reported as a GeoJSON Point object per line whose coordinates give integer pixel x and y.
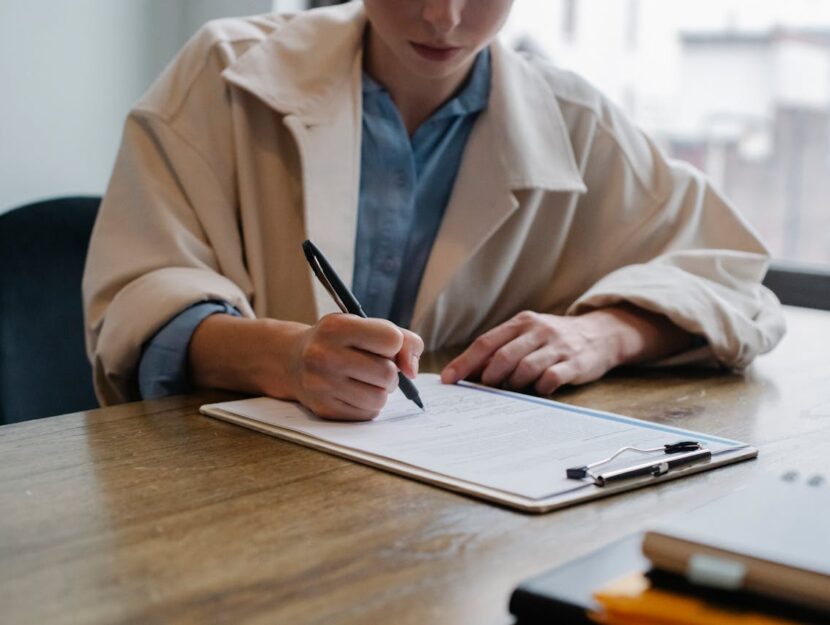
{"type": "Point", "coordinates": [682, 453]}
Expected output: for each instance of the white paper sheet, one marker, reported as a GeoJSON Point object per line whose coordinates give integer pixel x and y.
{"type": "Point", "coordinates": [514, 443]}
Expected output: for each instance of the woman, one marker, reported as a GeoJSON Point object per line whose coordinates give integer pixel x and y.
{"type": "Point", "coordinates": [474, 196]}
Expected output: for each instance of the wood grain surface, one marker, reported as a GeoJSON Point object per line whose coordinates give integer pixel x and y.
{"type": "Point", "coordinates": [150, 513]}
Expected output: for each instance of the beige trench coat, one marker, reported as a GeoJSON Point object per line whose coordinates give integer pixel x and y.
{"type": "Point", "coordinates": [250, 142]}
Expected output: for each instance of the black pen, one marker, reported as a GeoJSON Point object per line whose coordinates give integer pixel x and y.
{"type": "Point", "coordinates": [349, 304]}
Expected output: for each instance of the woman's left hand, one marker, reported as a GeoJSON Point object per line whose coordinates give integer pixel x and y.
{"type": "Point", "coordinates": [549, 351]}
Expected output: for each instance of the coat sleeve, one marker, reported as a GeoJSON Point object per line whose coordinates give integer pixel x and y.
{"type": "Point", "coordinates": [166, 237]}
{"type": "Point", "coordinates": [169, 232]}
{"type": "Point", "coordinates": [671, 244]}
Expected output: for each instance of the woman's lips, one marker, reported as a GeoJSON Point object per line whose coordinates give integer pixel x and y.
{"type": "Point", "coordinates": [432, 53]}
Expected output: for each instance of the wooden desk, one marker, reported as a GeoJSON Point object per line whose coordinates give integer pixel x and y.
{"type": "Point", "coordinates": [149, 513]}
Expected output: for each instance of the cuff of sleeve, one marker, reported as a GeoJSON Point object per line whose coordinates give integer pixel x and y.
{"type": "Point", "coordinates": [163, 368]}
{"type": "Point", "coordinates": [734, 315]}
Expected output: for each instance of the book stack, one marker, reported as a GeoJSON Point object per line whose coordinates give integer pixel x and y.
{"type": "Point", "coordinates": [760, 555]}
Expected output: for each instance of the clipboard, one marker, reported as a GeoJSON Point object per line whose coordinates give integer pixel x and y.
{"type": "Point", "coordinates": [478, 412]}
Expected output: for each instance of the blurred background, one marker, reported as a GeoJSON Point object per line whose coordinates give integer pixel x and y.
{"type": "Point", "coordinates": [740, 88]}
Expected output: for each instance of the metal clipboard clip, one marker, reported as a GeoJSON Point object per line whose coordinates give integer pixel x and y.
{"type": "Point", "coordinates": [677, 455]}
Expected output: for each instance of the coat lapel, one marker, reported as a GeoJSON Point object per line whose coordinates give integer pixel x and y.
{"type": "Point", "coordinates": [480, 202]}
{"type": "Point", "coordinates": [520, 142]}
{"type": "Point", "coordinates": [330, 155]}
{"type": "Point", "coordinates": [309, 69]}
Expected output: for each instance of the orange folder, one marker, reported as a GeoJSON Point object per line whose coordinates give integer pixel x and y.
{"type": "Point", "coordinates": [632, 601]}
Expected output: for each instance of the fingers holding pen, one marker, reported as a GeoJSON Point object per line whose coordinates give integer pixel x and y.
{"type": "Point", "coordinates": [409, 356]}
{"type": "Point", "coordinates": [379, 337]}
{"type": "Point", "coordinates": [348, 365]}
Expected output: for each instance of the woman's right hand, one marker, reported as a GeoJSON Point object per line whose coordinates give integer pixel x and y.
{"type": "Point", "coordinates": [342, 367]}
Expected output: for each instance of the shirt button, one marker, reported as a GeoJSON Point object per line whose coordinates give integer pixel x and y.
{"type": "Point", "coordinates": [389, 264]}
{"type": "Point", "coordinates": [400, 179]}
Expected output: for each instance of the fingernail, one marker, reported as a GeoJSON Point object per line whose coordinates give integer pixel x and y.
{"type": "Point", "coordinates": [450, 375]}
{"type": "Point", "coordinates": [413, 362]}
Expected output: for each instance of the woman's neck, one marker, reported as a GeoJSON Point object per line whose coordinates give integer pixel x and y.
{"type": "Point", "coordinates": [416, 97]}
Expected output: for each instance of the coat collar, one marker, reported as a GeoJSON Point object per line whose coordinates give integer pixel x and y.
{"type": "Point", "coordinates": [306, 63]}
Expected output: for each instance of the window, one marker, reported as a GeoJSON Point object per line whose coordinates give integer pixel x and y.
{"type": "Point", "coordinates": [740, 88]}
{"type": "Point", "coordinates": [569, 19]}
{"type": "Point", "coordinates": [632, 23]}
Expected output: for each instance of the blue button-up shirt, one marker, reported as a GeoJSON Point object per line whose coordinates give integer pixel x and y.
{"type": "Point", "coordinates": [405, 186]}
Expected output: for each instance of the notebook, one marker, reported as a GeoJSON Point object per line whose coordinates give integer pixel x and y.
{"type": "Point", "coordinates": [505, 447]}
{"type": "Point", "coordinates": [771, 537]}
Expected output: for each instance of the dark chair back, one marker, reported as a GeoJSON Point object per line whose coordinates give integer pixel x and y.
{"type": "Point", "coordinates": [797, 284]}
{"type": "Point", "coordinates": [43, 366]}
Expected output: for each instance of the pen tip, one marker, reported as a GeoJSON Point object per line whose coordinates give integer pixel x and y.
{"type": "Point", "coordinates": [420, 404]}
